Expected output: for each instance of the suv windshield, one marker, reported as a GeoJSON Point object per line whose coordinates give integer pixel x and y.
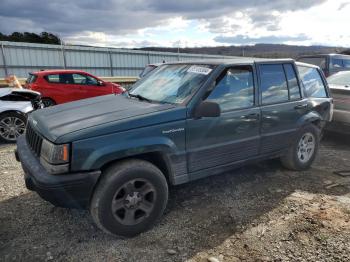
{"type": "Point", "coordinates": [342, 78]}
{"type": "Point", "coordinates": [172, 83]}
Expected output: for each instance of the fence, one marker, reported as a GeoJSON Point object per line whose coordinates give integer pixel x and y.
{"type": "Point", "coordinates": [21, 58]}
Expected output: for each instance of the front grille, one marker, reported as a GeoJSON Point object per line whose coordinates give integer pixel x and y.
{"type": "Point", "coordinates": [34, 140]}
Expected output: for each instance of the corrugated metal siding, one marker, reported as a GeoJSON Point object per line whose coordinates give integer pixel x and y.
{"type": "Point", "coordinates": [22, 58]}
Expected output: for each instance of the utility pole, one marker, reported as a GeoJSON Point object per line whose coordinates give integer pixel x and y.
{"type": "Point", "coordinates": [63, 54]}
{"type": "Point", "coordinates": [4, 58]}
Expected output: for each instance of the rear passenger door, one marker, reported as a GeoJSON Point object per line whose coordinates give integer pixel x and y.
{"type": "Point", "coordinates": [281, 105]}
{"type": "Point", "coordinates": [61, 88]}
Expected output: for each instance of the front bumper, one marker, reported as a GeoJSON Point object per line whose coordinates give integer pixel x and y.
{"type": "Point", "coordinates": [68, 190]}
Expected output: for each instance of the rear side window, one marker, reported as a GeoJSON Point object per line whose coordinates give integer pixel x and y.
{"type": "Point", "coordinates": [337, 63]}
{"type": "Point", "coordinates": [312, 81]}
{"type": "Point", "coordinates": [293, 86]}
{"type": "Point", "coordinates": [60, 78]}
{"type": "Point", "coordinates": [346, 63]}
{"type": "Point", "coordinates": [274, 87]}
{"type": "Point", "coordinates": [340, 63]}
{"type": "Point", "coordinates": [53, 78]}
{"type": "Point", "coordinates": [318, 61]}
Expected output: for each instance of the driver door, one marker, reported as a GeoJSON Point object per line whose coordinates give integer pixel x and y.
{"type": "Point", "coordinates": [234, 135]}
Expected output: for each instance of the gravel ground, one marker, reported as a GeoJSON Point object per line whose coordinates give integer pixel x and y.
{"type": "Point", "coordinates": [260, 212]}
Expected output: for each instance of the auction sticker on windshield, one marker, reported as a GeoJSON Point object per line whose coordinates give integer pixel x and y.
{"type": "Point", "coordinates": [199, 70]}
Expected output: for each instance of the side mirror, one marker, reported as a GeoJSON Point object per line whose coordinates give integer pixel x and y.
{"type": "Point", "coordinates": [100, 83]}
{"type": "Point", "coordinates": [207, 109]}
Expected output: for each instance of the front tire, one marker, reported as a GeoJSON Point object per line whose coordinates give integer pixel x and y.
{"type": "Point", "coordinates": [12, 125]}
{"type": "Point", "coordinates": [130, 198]}
{"type": "Point", "coordinates": [303, 150]}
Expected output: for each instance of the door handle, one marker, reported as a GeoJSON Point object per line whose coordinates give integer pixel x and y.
{"type": "Point", "coordinates": [251, 116]}
{"type": "Point", "coordinates": [301, 106]}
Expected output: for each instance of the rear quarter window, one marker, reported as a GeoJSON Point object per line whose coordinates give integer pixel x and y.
{"type": "Point", "coordinates": [293, 85]}
{"type": "Point", "coordinates": [31, 78]}
{"type": "Point", "coordinates": [312, 81]}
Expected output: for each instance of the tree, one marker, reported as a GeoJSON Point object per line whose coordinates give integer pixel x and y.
{"type": "Point", "coordinates": [42, 38]}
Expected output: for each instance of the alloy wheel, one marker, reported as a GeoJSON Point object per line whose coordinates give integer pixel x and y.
{"type": "Point", "coordinates": [133, 202]}
{"type": "Point", "coordinates": [306, 147]}
{"type": "Point", "coordinates": [11, 128]}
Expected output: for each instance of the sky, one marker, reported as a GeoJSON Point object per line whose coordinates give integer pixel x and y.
{"type": "Point", "coordinates": [182, 23]}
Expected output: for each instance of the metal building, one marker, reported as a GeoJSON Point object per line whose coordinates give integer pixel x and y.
{"type": "Point", "coordinates": [21, 58]}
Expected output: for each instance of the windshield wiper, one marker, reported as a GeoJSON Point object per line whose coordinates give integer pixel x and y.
{"type": "Point", "coordinates": [140, 97]}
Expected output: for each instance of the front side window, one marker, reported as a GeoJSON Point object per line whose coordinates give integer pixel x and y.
{"type": "Point", "coordinates": [234, 89]}
{"type": "Point", "coordinates": [274, 87]}
{"type": "Point", "coordinates": [312, 81]}
{"type": "Point", "coordinates": [172, 83]}
{"type": "Point", "coordinates": [80, 79]}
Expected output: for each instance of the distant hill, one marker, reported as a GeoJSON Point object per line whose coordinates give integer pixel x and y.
{"type": "Point", "coordinates": [258, 50]}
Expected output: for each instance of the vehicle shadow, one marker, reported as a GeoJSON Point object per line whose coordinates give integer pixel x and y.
{"type": "Point", "coordinates": [199, 216]}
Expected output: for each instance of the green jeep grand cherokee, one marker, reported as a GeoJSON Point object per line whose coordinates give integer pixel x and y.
{"type": "Point", "coordinates": [117, 155]}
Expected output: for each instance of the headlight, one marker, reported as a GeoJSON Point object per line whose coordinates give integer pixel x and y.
{"type": "Point", "coordinates": [55, 154]}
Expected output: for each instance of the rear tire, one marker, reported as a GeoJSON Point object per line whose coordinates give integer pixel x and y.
{"type": "Point", "coordinates": [303, 150]}
{"type": "Point", "coordinates": [130, 198]}
{"type": "Point", "coordinates": [12, 125]}
{"type": "Point", "coordinates": [47, 102]}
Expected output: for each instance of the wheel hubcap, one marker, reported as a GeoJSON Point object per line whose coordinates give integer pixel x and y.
{"type": "Point", "coordinates": [11, 128]}
{"type": "Point", "coordinates": [133, 202]}
{"type": "Point", "coordinates": [306, 147]}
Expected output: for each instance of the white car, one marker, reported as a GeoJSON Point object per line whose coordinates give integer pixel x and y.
{"type": "Point", "coordinates": [15, 104]}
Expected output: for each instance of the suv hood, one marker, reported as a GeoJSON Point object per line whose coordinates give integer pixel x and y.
{"type": "Point", "coordinates": [98, 116]}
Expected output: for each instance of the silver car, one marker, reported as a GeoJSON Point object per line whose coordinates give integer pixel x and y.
{"type": "Point", "coordinates": [329, 63]}
{"type": "Point", "coordinates": [339, 85]}
{"type": "Point", "coordinates": [15, 104]}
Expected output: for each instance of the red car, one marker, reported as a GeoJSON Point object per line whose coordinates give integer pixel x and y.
{"type": "Point", "coordinates": [61, 86]}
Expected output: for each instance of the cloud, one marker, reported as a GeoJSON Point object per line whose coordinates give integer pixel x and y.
{"type": "Point", "coordinates": [126, 23]}
{"type": "Point", "coordinates": [67, 17]}
{"type": "Point", "coordinates": [241, 39]}
{"type": "Point", "coordinates": [343, 5]}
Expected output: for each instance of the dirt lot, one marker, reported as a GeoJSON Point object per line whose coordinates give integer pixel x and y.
{"type": "Point", "coordinates": [257, 213]}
